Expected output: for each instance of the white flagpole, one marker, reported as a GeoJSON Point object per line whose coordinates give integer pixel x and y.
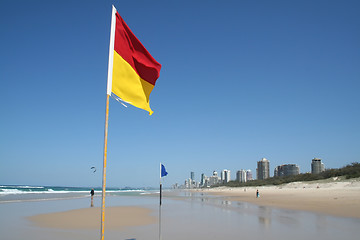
{"type": "Point", "coordinates": [109, 85]}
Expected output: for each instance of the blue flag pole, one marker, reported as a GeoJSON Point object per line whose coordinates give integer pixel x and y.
{"type": "Point", "coordinates": [163, 173]}
{"type": "Point", "coordinates": [160, 202]}
{"type": "Point", "coordinates": [160, 182]}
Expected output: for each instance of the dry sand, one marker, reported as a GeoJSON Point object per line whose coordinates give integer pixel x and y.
{"type": "Point", "coordinates": [88, 218]}
{"type": "Point", "coordinates": [337, 197]}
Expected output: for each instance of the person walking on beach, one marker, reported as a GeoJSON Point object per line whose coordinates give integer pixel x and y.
{"type": "Point", "coordinates": [257, 193]}
{"type": "Point", "coordinates": [92, 197]}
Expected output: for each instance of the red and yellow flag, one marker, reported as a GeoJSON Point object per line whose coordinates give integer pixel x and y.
{"type": "Point", "coordinates": [132, 71]}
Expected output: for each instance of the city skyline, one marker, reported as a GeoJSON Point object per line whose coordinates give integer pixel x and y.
{"type": "Point", "coordinates": [319, 168]}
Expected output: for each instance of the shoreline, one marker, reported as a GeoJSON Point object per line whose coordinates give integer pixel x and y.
{"type": "Point", "coordinates": [340, 198]}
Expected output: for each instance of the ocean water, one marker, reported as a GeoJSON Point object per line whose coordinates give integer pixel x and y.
{"type": "Point", "coordinates": [21, 193]}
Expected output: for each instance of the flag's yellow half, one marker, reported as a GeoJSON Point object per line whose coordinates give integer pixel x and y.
{"type": "Point", "coordinates": [132, 70]}
{"type": "Point", "coordinates": [129, 86]}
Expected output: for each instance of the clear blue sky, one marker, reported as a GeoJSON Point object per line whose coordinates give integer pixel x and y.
{"type": "Point", "coordinates": [240, 80]}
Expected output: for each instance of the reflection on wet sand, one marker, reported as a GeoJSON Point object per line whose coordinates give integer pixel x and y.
{"type": "Point", "coordinates": [265, 215]}
{"type": "Point", "coordinates": [273, 223]}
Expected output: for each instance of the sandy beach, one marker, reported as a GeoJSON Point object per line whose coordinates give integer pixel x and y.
{"type": "Point", "coordinates": [197, 214]}
{"type": "Point", "coordinates": [332, 197]}
{"type": "Point", "coordinates": [88, 218]}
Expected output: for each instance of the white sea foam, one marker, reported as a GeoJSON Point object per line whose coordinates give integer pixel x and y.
{"type": "Point", "coordinates": [17, 191]}
{"type": "Point", "coordinates": [41, 199]}
{"type": "Point", "coordinates": [124, 191]}
{"type": "Point", "coordinates": [37, 191]}
{"type": "Point", "coordinates": [147, 193]}
{"type": "Point", "coordinates": [10, 191]}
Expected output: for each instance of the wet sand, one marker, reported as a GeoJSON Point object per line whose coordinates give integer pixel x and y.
{"type": "Point", "coordinates": [337, 198]}
{"type": "Point", "coordinates": [88, 218]}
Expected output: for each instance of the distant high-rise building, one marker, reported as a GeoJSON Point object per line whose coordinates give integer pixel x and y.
{"type": "Point", "coordinates": [276, 171]}
{"type": "Point", "coordinates": [203, 180]}
{"type": "Point", "coordinates": [225, 176]}
{"type": "Point", "coordinates": [241, 176]}
{"type": "Point", "coordinates": [192, 176]}
{"type": "Point", "coordinates": [263, 169]}
{"type": "Point", "coordinates": [317, 166]}
{"type": "Point", "coordinates": [214, 179]}
{"type": "Point", "coordinates": [187, 183]}
{"type": "Point", "coordinates": [249, 176]}
{"type": "Point", "coordinates": [286, 170]}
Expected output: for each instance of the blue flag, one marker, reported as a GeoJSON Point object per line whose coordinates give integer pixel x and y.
{"type": "Point", "coordinates": [163, 171]}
